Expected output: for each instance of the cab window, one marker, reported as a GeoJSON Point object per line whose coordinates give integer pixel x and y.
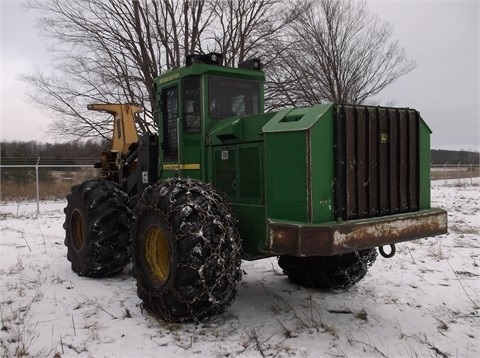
{"type": "Point", "coordinates": [191, 104]}
{"type": "Point", "coordinates": [170, 123]}
{"type": "Point", "coordinates": [229, 97]}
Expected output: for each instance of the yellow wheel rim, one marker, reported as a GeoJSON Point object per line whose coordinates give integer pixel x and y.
{"type": "Point", "coordinates": [157, 253]}
{"type": "Point", "coordinates": [77, 233]}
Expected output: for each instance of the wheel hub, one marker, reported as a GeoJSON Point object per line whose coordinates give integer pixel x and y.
{"type": "Point", "coordinates": [157, 253]}
{"type": "Point", "coordinates": [77, 231]}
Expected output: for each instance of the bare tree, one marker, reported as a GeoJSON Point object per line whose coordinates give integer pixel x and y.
{"type": "Point", "coordinates": [246, 29]}
{"type": "Point", "coordinates": [339, 53]}
{"type": "Point", "coordinates": [111, 51]}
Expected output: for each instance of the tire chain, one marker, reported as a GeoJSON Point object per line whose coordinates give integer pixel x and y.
{"type": "Point", "coordinates": [108, 244]}
{"type": "Point", "coordinates": [332, 272]}
{"type": "Point", "coordinates": [215, 206]}
{"type": "Point", "coordinates": [365, 259]}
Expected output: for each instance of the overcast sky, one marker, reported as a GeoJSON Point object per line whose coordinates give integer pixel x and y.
{"type": "Point", "coordinates": [442, 36]}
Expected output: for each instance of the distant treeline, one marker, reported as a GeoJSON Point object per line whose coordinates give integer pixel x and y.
{"type": "Point", "coordinates": [88, 152]}
{"type": "Point", "coordinates": [75, 152]}
{"type": "Point", "coordinates": [439, 156]}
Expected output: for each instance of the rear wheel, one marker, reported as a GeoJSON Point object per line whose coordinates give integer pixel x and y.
{"type": "Point", "coordinates": [97, 227]}
{"type": "Point", "coordinates": [187, 250]}
{"type": "Point", "coordinates": [328, 272]}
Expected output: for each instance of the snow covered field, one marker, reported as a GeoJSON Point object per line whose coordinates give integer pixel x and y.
{"type": "Point", "coordinates": [423, 302]}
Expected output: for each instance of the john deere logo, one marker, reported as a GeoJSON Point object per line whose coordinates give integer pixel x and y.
{"type": "Point", "coordinates": [383, 138]}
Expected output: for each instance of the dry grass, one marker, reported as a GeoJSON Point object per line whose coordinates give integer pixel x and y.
{"type": "Point", "coordinates": [56, 186]}
{"type": "Point", "coordinates": [17, 322]}
{"type": "Point", "coordinates": [463, 173]}
{"type": "Point", "coordinates": [48, 191]}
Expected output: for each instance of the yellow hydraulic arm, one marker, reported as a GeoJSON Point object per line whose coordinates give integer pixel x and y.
{"type": "Point", "coordinates": [124, 130]}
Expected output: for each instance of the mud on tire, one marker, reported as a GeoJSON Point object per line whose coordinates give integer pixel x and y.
{"type": "Point", "coordinates": [328, 272]}
{"type": "Point", "coordinates": [187, 250]}
{"type": "Point", "coordinates": [97, 227]}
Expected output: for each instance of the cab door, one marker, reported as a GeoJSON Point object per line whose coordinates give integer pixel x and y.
{"type": "Point", "coordinates": [181, 149]}
{"type": "Point", "coordinates": [170, 131]}
{"type": "Point", "coordinates": [191, 143]}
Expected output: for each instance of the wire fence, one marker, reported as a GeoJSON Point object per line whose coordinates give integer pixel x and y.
{"type": "Point", "coordinates": [454, 173]}
{"type": "Point", "coordinates": [34, 188]}
{"type": "Point", "coordinates": [38, 186]}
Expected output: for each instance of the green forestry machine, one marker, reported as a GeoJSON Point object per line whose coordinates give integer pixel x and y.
{"type": "Point", "coordinates": [321, 188]}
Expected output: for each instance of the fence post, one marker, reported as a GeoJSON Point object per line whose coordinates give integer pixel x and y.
{"type": "Point", "coordinates": [445, 172]}
{"type": "Point", "coordinates": [458, 172]}
{"type": "Point", "coordinates": [471, 173]}
{"type": "Point", "coordinates": [38, 187]}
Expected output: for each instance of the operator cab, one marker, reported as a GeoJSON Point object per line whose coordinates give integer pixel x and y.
{"type": "Point", "coordinates": [192, 99]}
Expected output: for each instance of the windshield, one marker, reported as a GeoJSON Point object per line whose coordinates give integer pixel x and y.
{"type": "Point", "coordinates": [230, 97]}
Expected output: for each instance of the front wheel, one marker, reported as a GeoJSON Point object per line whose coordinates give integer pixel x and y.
{"type": "Point", "coordinates": [97, 227]}
{"type": "Point", "coordinates": [187, 250]}
{"type": "Point", "coordinates": [328, 272]}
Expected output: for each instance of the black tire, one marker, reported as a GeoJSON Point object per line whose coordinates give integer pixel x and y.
{"type": "Point", "coordinates": [187, 250]}
{"type": "Point", "coordinates": [97, 227]}
{"type": "Point", "coordinates": [328, 272]}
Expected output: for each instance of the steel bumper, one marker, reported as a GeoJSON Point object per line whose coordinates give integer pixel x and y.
{"type": "Point", "coordinates": [299, 239]}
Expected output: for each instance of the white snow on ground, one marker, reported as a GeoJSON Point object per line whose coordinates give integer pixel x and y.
{"type": "Point", "coordinates": [423, 302]}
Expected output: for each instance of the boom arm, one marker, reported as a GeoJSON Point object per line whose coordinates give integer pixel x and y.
{"type": "Point", "coordinates": [124, 130]}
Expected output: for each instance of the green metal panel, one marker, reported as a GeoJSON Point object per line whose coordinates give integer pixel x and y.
{"type": "Point", "coordinates": [286, 175]}
{"type": "Point", "coordinates": [250, 178]}
{"type": "Point", "coordinates": [424, 165]}
{"type": "Point", "coordinates": [298, 119]}
{"type": "Point", "coordinates": [253, 229]}
{"type": "Point", "coordinates": [322, 172]}
{"type": "Point", "coordinates": [191, 156]}
{"type": "Point", "coordinates": [239, 129]}
{"type": "Point", "coordinates": [238, 172]}
{"type": "Point", "coordinates": [299, 164]}
{"type": "Point", "coordinates": [225, 176]}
